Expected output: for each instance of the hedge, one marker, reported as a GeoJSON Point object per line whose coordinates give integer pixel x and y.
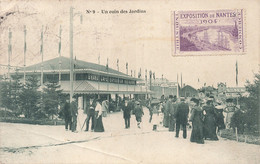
{"type": "Point", "coordinates": [32, 121]}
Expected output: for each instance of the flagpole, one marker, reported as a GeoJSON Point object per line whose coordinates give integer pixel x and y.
{"type": "Point", "coordinates": [198, 82]}
{"type": "Point", "coordinates": [140, 76]}
{"type": "Point", "coordinates": [236, 73]}
{"type": "Point", "coordinates": [42, 58]}
{"type": "Point", "coordinates": [181, 80]}
{"type": "Point", "coordinates": [178, 95]}
{"type": "Point", "coordinates": [146, 82]}
{"type": "Point", "coordinates": [107, 77]}
{"type": "Point", "coordinates": [150, 73]}
{"type": "Point", "coordinates": [127, 74]}
{"type": "Point", "coordinates": [98, 74]}
{"type": "Point", "coordinates": [9, 53]}
{"type": "Point", "coordinates": [127, 68]}
{"type": "Point", "coordinates": [118, 74]}
{"type": "Point", "coordinates": [60, 57]}
{"type": "Point", "coordinates": [237, 78]}
{"type": "Point", "coordinates": [134, 85]}
{"type": "Point", "coordinates": [163, 86]}
{"type": "Point", "coordinates": [24, 52]}
{"type": "Point", "coordinates": [41, 52]}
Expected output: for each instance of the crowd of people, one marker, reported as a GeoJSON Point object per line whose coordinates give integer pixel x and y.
{"type": "Point", "coordinates": [70, 113]}
{"type": "Point", "coordinates": [205, 118]}
{"type": "Point", "coordinates": [172, 113]}
{"type": "Point", "coordinates": [95, 109]}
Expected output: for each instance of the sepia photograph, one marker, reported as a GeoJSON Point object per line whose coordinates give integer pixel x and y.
{"type": "Point", "coordinates": [129, 82]}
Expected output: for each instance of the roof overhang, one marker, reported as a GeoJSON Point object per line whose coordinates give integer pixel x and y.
{"type": "Point", "coordinates": [80, 71]}
{"type": "Point", "coordinates": [90, 87]}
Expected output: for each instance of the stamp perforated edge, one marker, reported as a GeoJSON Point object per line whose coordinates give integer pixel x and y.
{"type": "Point", "coordinates": [208, 53]}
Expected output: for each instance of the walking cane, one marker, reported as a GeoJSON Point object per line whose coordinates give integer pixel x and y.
{"type": "Point", "coordinates": [83, 124]}
{"type": "Point", "coordinates": [79, 121]}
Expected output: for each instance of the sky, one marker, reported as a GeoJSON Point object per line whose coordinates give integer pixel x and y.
{"type": "Point", "coordinates": [144, 40]}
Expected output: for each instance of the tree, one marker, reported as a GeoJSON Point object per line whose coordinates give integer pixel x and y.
{"type": "Point", "coordinates": [16, 88]}
{"type": "Point", "coordinates": [5, 92]}
{"type": "Point", "coordinates": [9, 93]}
{"type": "Point", "coordinates": [30, 97]}
{"type": "Point", "coordinates": [52, 98]}
{"type": "Point", "coordinates": [252, 104]}
{"type": "Point", "coordinates": [250, 108]}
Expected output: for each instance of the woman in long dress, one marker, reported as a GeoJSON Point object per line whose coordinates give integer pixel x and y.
{"type": "Point", "coordinates": [98, 115]}
{"type": "Point", "coordinates": [197, 123]}
{"type": "Point", "coordinates": [210, 121]}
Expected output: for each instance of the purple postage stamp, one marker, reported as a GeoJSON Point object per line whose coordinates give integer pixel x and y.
{"type": "Point", "coordinates": [208, 32]}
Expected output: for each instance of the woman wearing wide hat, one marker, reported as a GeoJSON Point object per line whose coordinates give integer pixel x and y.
{"type": "Point", "coordinates": [197, 123]}
{"type": "Point", "coordinates": [210, 121]}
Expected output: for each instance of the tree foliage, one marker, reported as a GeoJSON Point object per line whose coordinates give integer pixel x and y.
{"type": "Point", "coordinates": [5, 98]}
{"type": "Point", "coordinates": [248, 117]}
{"type": "Point", "coordinates": [52, 97]}
{"type": "Point", "coordinates": [30, 97]}
{"type": "Point", "coordinates": [16, 88]}
{"type": "Point", "coordinates": [9, 93]}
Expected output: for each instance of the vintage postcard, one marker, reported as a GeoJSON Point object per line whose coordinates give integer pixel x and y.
{"type": "Point", "coordinates": [129, 81]}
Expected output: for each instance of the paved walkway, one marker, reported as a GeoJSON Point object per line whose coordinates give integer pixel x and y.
{"type": "Point", "coordinates": [22, 143]}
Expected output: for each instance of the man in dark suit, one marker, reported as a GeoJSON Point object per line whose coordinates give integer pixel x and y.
{"type": "Point", "coordinates": [90, 110]}
{"type": "Point", "coordinates": [131, 104]}
{"type": "Point", "coordinates": [67, 115]}
{"type": "Point", "coordinates": [182, 117]}
{"type": "Point", "coordinates": [171, 107]}
{"type": "Point", "coordinates": [127, 107]}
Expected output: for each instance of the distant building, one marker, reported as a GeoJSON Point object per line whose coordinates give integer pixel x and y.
{"type": "Point", "coordinates": [161, 87]}
{"type": "Point", "coordinates": [189, 91]}
{"type": "Point", "coordinates": [222, 88]}
{"type": "Point", "coordinates": [235, 91]}
{"type": "Point", "coordinates": [208, 91]}
{"type": "Point", "coordinates": [228, 92]}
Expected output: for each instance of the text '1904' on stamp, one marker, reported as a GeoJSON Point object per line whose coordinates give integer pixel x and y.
{"type": "Point", "coordinates": [213, 32]}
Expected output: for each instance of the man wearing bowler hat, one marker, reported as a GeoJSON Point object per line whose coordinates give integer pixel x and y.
{"type": "Point", "coordinates": [170, 109]}
{"type": "Point", "coordinates": [127, 112]}
{"type": "Point", "coordinates": [90, 113]}
{"type": "Point", "coordinates": [182, 117]}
